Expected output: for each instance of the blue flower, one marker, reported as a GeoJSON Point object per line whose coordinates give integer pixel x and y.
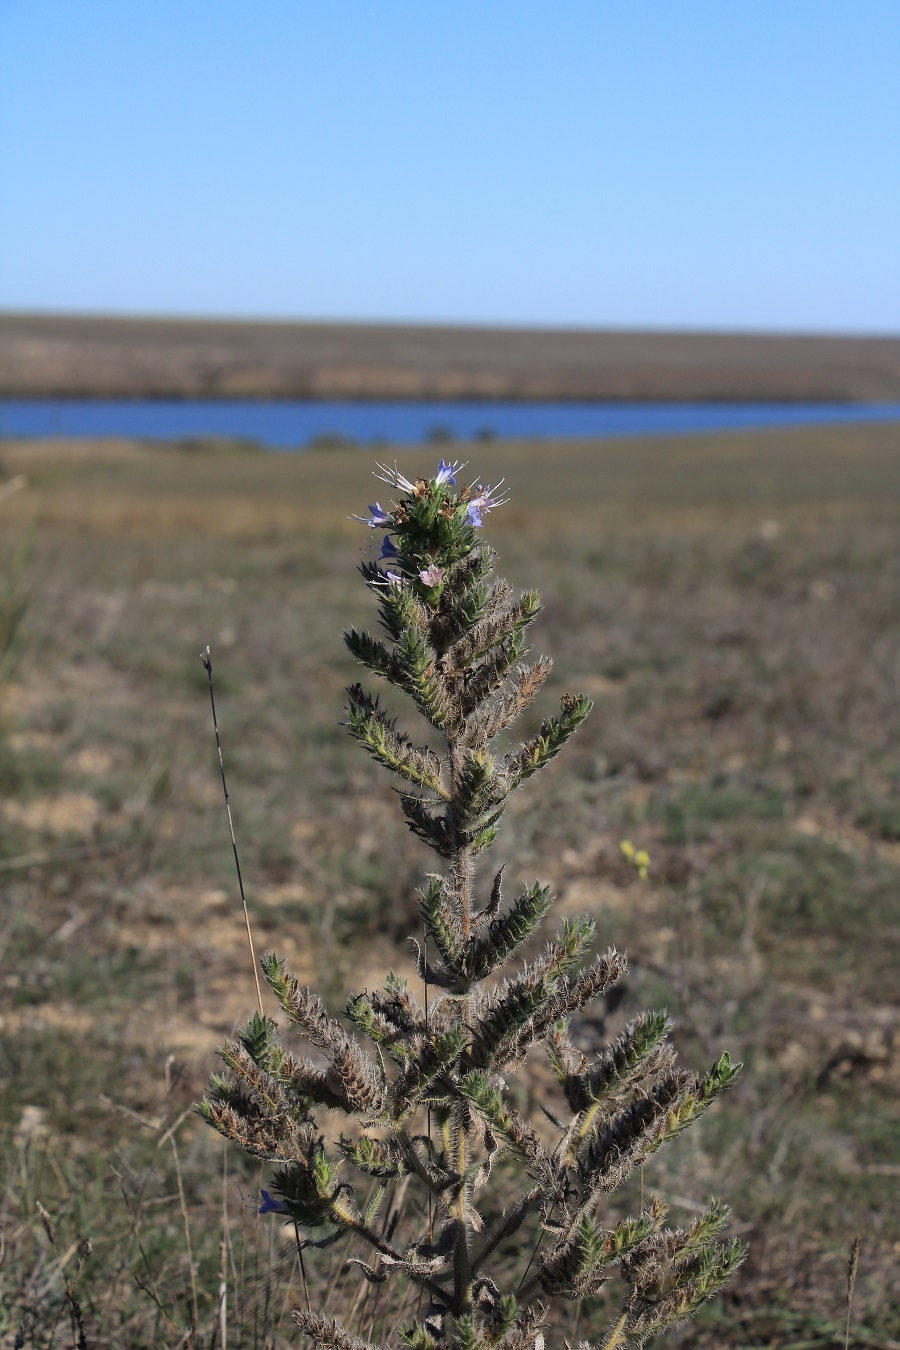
{"type": "Point", "coordinates": [388, 548]}
{"type": "Point", "coordinates": [473, 516]}
{"type": "Point", "coordinates": [377, 516]}
{"type": "Point", "coordinates": [446, 473]}
{"type": "Point", "coordinates": [270, 1206]}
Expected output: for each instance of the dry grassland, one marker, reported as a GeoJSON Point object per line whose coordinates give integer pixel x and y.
{"type": "Point", "coordinates": [43, 354]}
{"type": "Point", "coordinates": [732, 605]}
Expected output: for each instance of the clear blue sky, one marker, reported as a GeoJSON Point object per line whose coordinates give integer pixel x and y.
{"type": "Point", "coordinates": [734, 163]}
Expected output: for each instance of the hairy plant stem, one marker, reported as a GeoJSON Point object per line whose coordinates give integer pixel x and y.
{"type": "Point", "coordinates": [462, 853]}
{"type": "Point", "coordinates": [462, 1262]}
{"type": "Point", "coordinates": [462, 872]}
{"type": "Point", "coordinates": [615, 1336]}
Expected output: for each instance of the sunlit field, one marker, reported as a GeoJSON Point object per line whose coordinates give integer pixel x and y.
{"type": "Point", "coordinates": [732, 605]}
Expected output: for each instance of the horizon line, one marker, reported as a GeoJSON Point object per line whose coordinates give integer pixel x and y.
{"type": "Point", "coordinates": [483, 325]}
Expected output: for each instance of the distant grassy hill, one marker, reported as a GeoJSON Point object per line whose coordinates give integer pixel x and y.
{"type": "Point", "coordinates": [91, 357]}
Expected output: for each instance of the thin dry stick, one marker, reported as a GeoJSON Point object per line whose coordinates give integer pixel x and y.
{"type": "Point", "coordinates": [195, 1313]}
{"type": "Point", "coordinates": [223, 1272]}
{"type": "Point", "coordinates": [207, 665]}
{"type": "Point", "coordinates": [852, 1268]}
{"type": "Point", "coordinates": [302, 1265]}
{"type": "Point", "coordinates": [206, 658]}
{"type": "Point", "coordinates": [537, 1248]}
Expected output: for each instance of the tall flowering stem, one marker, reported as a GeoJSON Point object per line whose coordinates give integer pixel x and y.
{"type": "Point", "coordinates": [454, 640]}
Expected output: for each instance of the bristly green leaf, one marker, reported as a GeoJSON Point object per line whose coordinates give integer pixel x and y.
{"type": "Point", "coordinates": [639, 1050]}
{"type": "Point", "coordinates": [465, 598]}
{"type": "Point", "coordinates": [417, 672]}
{"type": "Point", "coordinates": [573, 1262]}
{"type": "Point", "coordinates": [465, 1335]}
{"type": "Point", "coordinates": [575, 939]}
{"type": "Point", "coordinates": [428, 820]}
{"type": "Point", "coordinates": [652, 1313]}
{"type": "Point", "coordinates": [416, 1336]}
{"type": "Point", "coordinates": [308, 1190]}
{"type": "Point", "coordinates": [376, 1157]}
{"type": "Point", "coordinates": [423, 1067]}
{"type": "Point", "coordinates": [721, 1076]}
{"type": "Point", "coordinates": [486, 954]}
{"type": "Point", "coordinates": [441, 926]}
{"type": "Point", "coordinates": [516, 1133]}
{"type": "Point", "coordinates": [513, 1009]}
{"type": "Point", "coordinates": [706, 1227]}
{"type": "Point", "coordinates": [698, 1098]}
{"type": "Point", "coordinates": [259, 1039]}
{"type": "Point", "coordinates": [400, 609]}
{"type": "Point", "coordinates": [628, 1234]}
{"type": "Point", "coordinates": [477, 789]}
{"type": "Point", "coordinates": [371, 652]}
{"type": "Point", "coordinates": [509, 1310]}
{"type": "Point", "coordinates": [491, 672]}
{"type": "Point", "coordinates": [276, 976]}
{"type": "Point", "coordinates": [554, 733]}
{"type": "Point", "coordinates": [499, 622]}
{"type": "Point", "coordinates": [484, 833]}
{"type": "Point", "coordinates": [371, 726]}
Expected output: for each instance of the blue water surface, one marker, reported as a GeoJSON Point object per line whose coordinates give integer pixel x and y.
{"type": "Point", "coordinates": [295, 425]}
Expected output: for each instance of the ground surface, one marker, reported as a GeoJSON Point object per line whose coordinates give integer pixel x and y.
{"type": "Point", "coordinates": [731, 604]}
{"type": "Point", "coordinates": [45, 354]}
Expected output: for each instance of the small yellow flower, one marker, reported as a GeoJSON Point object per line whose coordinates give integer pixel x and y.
{"type": "Point", "coordinates": [638, 858]}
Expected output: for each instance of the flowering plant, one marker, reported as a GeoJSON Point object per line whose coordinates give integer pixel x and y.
{"type": "Point", "coordinates": [423, 1085]}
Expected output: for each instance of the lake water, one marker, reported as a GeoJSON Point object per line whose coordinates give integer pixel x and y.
{"type": "Point", "coordinates": [286, 426]}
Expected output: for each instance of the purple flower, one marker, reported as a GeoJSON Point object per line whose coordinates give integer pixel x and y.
{"type": "Point", "coordinates": [484, 500]}
{"type": "Point", "coordinates": [447, 472]}
{"type": "Point", "coordinates": [270, 1206]}
{"type": "Point", "coordinates": [473, 516]}
{"type": "Point", "coordinates": [388, 548]}
{"type": "Point", "coordinates": [432, 576]}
